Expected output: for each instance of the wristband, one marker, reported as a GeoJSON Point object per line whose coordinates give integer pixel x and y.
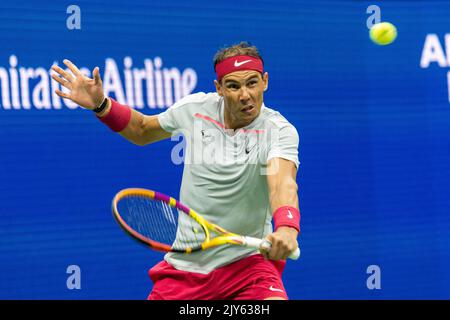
{"type": "Point", "coordinates": [101, 107]}
{"type": "Point", "coordinates": [287, 216]}
{"type": "Point", "coordinates": [118, 116]}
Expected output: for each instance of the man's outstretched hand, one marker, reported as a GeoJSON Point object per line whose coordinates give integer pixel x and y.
{"type": "Point", "coordinates": [84, 91]}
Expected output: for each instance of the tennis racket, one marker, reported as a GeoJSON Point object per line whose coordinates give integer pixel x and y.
{"type": "Point", "coordinates": [153, 219]}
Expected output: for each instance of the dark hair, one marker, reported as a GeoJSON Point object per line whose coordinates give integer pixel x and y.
{"type": "Point", "coordinates": [242, 48]}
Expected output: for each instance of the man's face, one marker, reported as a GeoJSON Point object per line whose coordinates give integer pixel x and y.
{"type": "Point", "coordinates": [243, 95]}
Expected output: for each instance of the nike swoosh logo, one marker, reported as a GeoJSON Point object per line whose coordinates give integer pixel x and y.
{"type": "Point", "coordinates": [275, 289]}
{"type": "Point", "coordinates": [238, 64]}
{"type": "Point", "coordinates": [248, 149]}
{"type": "Point", "coordinates": [290, 216]}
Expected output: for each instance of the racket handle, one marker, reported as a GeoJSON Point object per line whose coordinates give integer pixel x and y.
{"type": "Point", "coordinates": [265, 244]}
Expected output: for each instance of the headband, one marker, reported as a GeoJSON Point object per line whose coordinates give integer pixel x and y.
{"type": "Point", "coordinates": [238, 63]}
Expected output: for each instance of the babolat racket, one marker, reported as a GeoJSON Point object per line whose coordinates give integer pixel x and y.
{"type": "Point", "coordinates": [164, 224]}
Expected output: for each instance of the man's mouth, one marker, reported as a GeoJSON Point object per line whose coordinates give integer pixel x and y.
{"type": "Point", "coordinates": [247, 109]}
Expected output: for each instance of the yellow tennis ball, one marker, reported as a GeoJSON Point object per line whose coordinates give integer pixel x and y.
{"type": "Point", "coordinates": [383, 33]}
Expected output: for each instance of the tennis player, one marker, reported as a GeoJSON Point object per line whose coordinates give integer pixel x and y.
{"type": "Point", "coordinates": [250, 183]}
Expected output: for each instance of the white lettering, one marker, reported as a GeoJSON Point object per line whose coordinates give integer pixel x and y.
{"type": "Point", "coordinates": [4, 82]}
{"type": "Point", "coordinates": [74, 20]}
{"type": "Point", "coordinates": [139, 76]}
{"type": "Point", "coordinates": [447, 47]}
{"type": "Point", "coordinates": [188, 81]}
{"type": "Point", "coordinates": [74, 280]}
{"type": "Point", "coordinates": [374, 280]}
{"type": "Point", "coordinates": [128, 63]}
{"type": "Point", "coordinates": [172, 77]}
{"type": "Point", "coordinates": [375, 17]}
{"type": "Point", "coordinates": [150, 83]}
{"type": "Point", "coordinates": [25, 75]}
{"type": "Point", "coordinates": [196, 310]}
{"type": "Point", "coordinates": [112, 82]}
{"type": "Point", "coordinates": [448, 85]}
{"type": "Point", "coordinates": [41, 92]}
{"type": "Point", "coordinates": [14, 82]}
{"type": "Point", "coordinates": [432, 52]}
{"type": "Point", "coordinates": [158, 79]}
{"type": "Point", "coordinates": [25, 87]}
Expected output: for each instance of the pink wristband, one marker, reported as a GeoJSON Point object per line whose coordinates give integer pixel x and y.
{"type": "Point", "coordinates": [287, 216]}
{"type": "Point", "coordinates": [118, 117]}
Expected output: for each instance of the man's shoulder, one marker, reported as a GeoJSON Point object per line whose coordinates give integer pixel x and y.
{"type": "Point", "coordinates": [274, 119]}
{"type": "Point", "coordinates": [197, 99]}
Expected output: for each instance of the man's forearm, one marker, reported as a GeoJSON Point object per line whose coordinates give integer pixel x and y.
{"type": "Point", "coordinates": [133, 132]}
{"type": "Point", "coordinates": [134, 126]}
{"type": "Point", "coordinates": [133, 129]}
{"type": "Point", "coordinates": [285, 195]}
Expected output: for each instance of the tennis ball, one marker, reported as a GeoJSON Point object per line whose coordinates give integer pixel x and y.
{"type": "Point", "coordinates": [383, 33]}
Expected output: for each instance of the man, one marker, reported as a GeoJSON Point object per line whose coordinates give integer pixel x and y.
{"type": "Point", "coordinates": [235, 129]}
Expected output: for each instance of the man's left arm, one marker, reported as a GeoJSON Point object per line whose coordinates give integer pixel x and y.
{"type": "Point", "coordinates": [283, 196]}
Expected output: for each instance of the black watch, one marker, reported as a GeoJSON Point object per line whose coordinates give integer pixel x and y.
{"type": "Point", "coordinates": [102, 106]}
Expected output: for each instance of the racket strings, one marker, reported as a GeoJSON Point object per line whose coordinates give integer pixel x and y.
{"type": "Point", "coordinates": [149, 218]}
{"type": "Point", "coordinates": [190, 233]}
{"type": "Point", "coordinates": [159, 222]}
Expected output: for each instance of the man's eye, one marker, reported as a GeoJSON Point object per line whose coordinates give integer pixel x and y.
{"type": "Point", "coordinates": [233, 87]}
{"type": "Point", "coordinates": [252, 83]}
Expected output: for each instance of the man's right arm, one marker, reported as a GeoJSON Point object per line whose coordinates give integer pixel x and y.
{"type": "Point", "coordinates": [88, 93]}
{"type": "Point", "coordinates": [142, 129]}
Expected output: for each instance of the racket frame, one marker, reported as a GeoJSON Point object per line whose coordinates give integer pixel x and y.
{"type": "Point", "coordinates": [225, 236]}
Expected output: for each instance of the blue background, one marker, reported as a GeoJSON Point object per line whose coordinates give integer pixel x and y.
{"type": "Point", "coordinates": [374, 144]}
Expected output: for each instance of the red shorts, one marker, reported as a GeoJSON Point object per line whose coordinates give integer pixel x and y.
{"type": "Point", "coordinates": [251, 278]}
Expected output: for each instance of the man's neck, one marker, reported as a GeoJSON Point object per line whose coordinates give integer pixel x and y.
{"type": "Point", "coordinates": [231, 122]}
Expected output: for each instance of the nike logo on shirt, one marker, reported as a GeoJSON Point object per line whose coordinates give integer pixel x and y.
{"type": "Point", "coordinates": [238, 64]}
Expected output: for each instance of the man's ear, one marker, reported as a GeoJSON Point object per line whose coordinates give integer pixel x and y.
{"type": "Point", "coordinates": [218, 87]}
{"type": "Point", "coordinates": [265, 80]}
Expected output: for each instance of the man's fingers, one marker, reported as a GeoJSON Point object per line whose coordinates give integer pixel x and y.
{"type": "Point", "coordinates": [62, 94]}
{"type": "Point", "coordinates": [72, 67]}
{"type": "Point", "coordinates": [274, 253]}
{"type": "Point", "coordinates": [264, 248]}
{"type": "Point", "coordinates": [62, 81]}
{"type": "Point", "coordinates": [67, 76]}
{"type": "Point", "coordinates": [266, 245]}
{"type": "Point", "coordinates": [96, 73]}
{"type": "Point", "coordinates": [279, 249]}
{"type": "Point", "coordinates": [283, 251]}
{"type": "Point", "coordinates": [286, 255]}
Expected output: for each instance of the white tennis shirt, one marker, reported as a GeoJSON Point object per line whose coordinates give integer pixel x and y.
{"type": "Point", "coordinates": [225, 174]}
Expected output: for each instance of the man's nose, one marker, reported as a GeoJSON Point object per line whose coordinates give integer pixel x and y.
{"type": "Point", "coordinates": [245, 96]}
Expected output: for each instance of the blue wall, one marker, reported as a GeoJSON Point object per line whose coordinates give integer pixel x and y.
{"type": "Point", "coordinates": [374, 141]}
